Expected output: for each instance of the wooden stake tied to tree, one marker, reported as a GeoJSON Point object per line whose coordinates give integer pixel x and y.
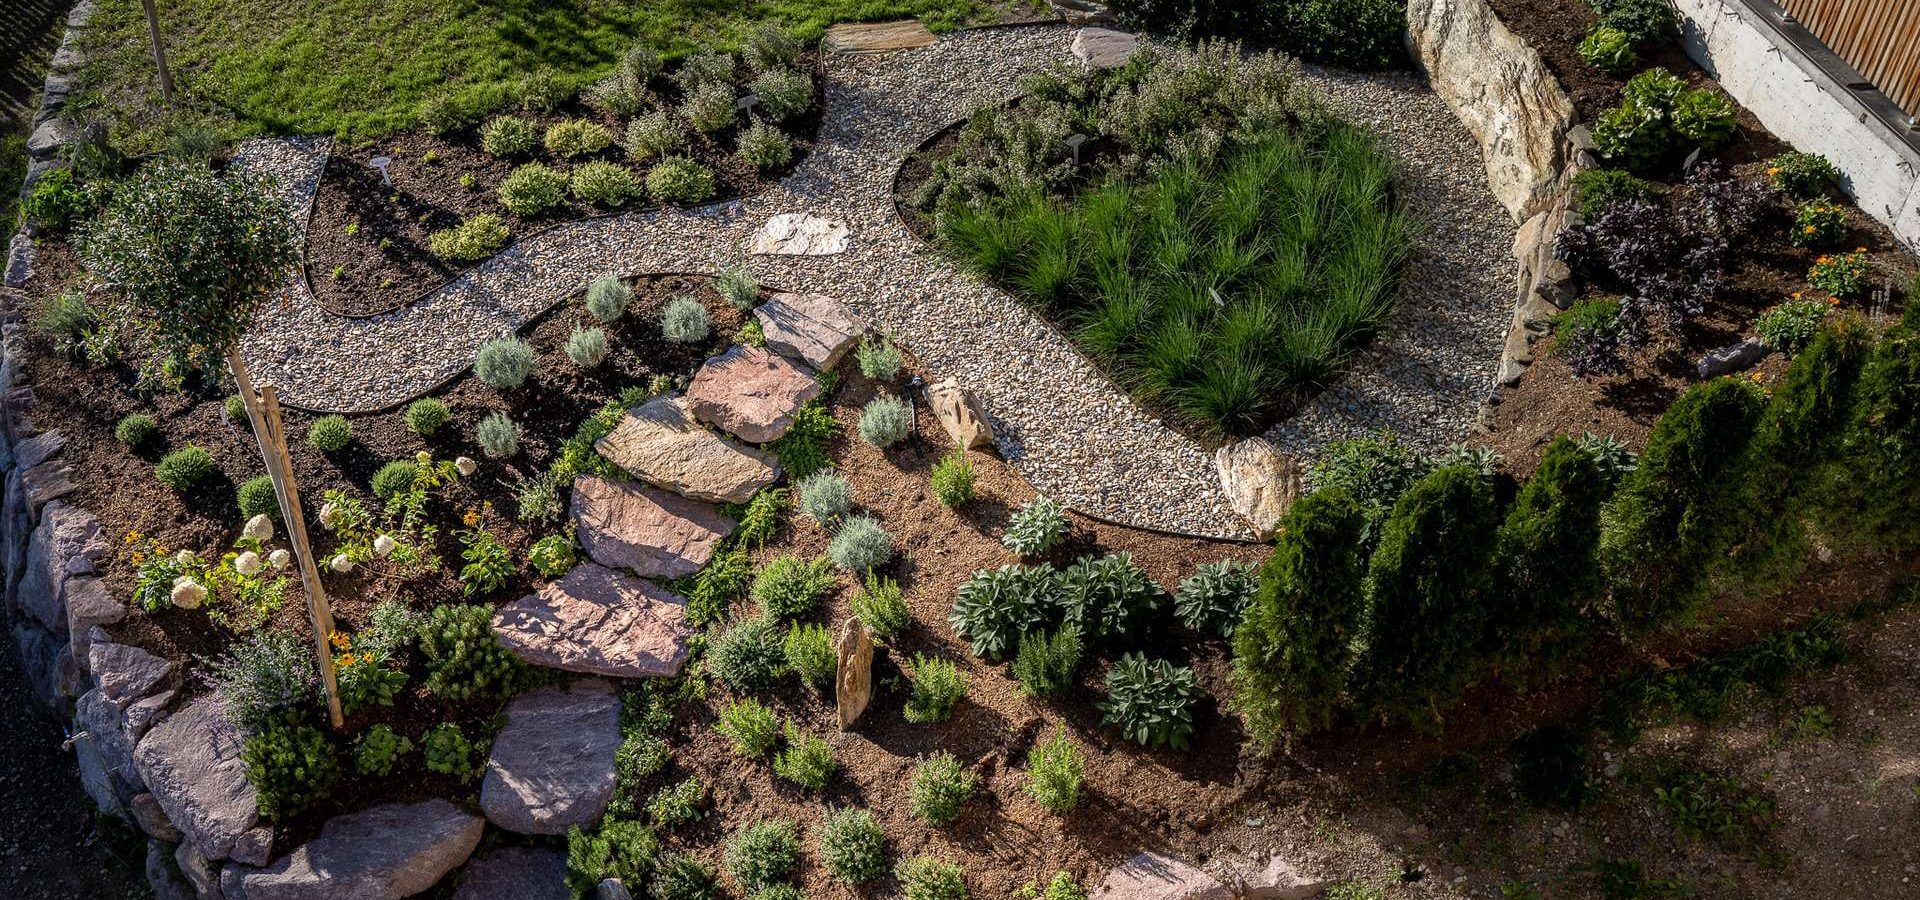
{"type": "Point", "coordinates": [189, 257]}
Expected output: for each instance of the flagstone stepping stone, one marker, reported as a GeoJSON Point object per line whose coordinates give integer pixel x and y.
{"type": "Point", "coordinates": [811, 328]}
{"type": "Point", "coordinates": [660, 443]}
{"type": "Point", "coordinates": [191, 763]}
{"type": "Point", "coordinates": [386, 852]}
{"type": "Point", "coordinates": [866, 38]}
{"type": "Point", "coordinates": [551, 767]}
{"type": "Point", "coordinates": [799, 234]}
{"type": "Point", "coordinates": [515, 873]}
{"type": "Point", "coordinates": [599, 621]}
{"type": "Point", "coordinates": [1104, 48]}
{"type": "Point", "coordinates": [654, 532]}
{"type": "Point", "coordinates": [750, 393]}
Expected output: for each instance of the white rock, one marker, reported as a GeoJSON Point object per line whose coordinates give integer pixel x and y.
{"type": "Point", "coordinates": [465, 465]}
{"type": "Point", "coordinates": [799, 234]}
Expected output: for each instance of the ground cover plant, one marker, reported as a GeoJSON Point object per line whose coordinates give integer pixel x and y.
{"type": "Point", "coordinates": [1217, 241]}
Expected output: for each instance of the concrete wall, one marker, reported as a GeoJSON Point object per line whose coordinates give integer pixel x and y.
{"type": "Point", "coordinates": [1803, 105]}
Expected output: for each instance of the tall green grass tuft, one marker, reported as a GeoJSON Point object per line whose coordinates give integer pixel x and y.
{"type": "Point", "coordinates": [1221, 290]}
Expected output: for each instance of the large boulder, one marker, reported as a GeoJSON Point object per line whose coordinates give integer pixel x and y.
{"type": "Point", "coordinates": [1260, 482]}
{"type": "Point", "coordinates": [104, 754]}
{"type": "Point", "coordinates": [89, 604]}
{"type": "Point", "coordinates": [515, 873]}
{"type": "Point", "coordinates": [599, 621]}
{"type": "Point", "coordinates": [191, 763]}
{"type": "Point", "coordinates": [811, 328]}
{"type": "Point", "coordinates": [1501, 90]}
{"type": "Point", "coordinates": [656, 533]}
{"type": "Point", "coordinates": [660, 443]}
{"type": "Point", "coordinates": [1153, 876]}
{"type": "Point", "coordinates": [384, 853]}
{"type": "Point", "coordinates": [750, 393]}
{"type": "Point", "coordinates": [1104, 48]}
{"type": "Point", "coordinates": [126, 673]}
{"type": "Point", "coordinates": [68, 542]}
{"type": "Point", "coordinates": [552, 765]}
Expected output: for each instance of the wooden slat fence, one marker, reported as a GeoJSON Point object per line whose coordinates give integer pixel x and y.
{"type": "Point", "coordinates": [1881, 38]}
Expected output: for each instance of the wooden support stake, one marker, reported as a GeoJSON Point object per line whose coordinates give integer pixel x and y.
{"type": "Point", "coordinates": [263, 412]}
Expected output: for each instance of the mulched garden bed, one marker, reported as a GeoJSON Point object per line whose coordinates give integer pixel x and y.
{"type": "Point", "coordinates": [367, 250]}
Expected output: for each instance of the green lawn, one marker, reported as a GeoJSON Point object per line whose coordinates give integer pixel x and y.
{"type": "Point", "coordinates": [359, 68]}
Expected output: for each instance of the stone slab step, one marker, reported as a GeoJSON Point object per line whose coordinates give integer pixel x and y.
{"type": "Point", "coordinates": [660, 443]}
{"type": "Point", "coordinates": [750, 393]}
{"type": "Point", "coordinates": [652, 531]}
{"type": "Point", "coordinates": [868, 38]}
{"type": "Point", "coordinates": [599, 621]}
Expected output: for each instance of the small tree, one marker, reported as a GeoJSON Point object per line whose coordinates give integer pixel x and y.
{"type": "Point", "coordinates": [1292, 650]}
{"type": "Point", "coordinates": [1794, 446]}
{"type": "Point", "coordinates": [1677, 514]}
{"type": "Point", "coordinates": [1549, 554]}
{"type": "Point", "coordinates": [1432, 583]}
{"type": "Point", "coordinates": [188, 257]}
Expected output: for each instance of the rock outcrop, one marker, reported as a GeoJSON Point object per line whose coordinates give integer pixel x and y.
{"type": "Point", "coordinates": [599, 621]}
{"type": "Point", "coordinates": [654, 532]}
{"type": "Point", "coordinates": [191, 763]}
{"type": "Point", "coordinates": [551, 767]}
{"type": "Point", "coordinates": [384, 853]}
{"type": "Point", "coordinates": [660, 443]}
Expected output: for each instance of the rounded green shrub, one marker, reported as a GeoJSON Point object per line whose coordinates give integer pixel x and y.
{"type": "Point", "coordinates": [938, 686]}
{"type": "Point", "coordinates": [1215, 597]}
{"type": "Point", "coordinates": [477, 237]}
{"type": "Point", "coordinates": [784, 93]}
{"type": "Point", "coordinates": [1548, 553]}
{"type": "Point", "coordinates": [55, 201]}
{"type": "Point", "coordinates": [1596, 189]}
{"type": "Point", "coordinates": [184, 468]}
{"type": "Point", "coordinates": [770, 47]}
{"type": "Point", "coordinates": [587, 347]}
{"type": "Point", "coordinates": [853, 846]}
{"type": "Point", "coordinates": [927, 878]}
{"type": "Point", "coordinates": [235, 408]}
{"type": "Point", "coordinates": [553, 555]}
{"type": "Point", "coordinates": [256, 497]}
{"type": "Point", "coordinates": [655, 135]}
{"type": "Point", "coordinates": [993, 608]}
{"type": "Point", "coordinates": [763, 854]}
{"type": "Point", "coordinates": [427, 415]}
{"type": "Point", "coordinates": [886, 420]}
{"type": "Point", "coordinates": [394, 478]}
{"type": "Point", "coordinates": [678, 179]}
{"type": "Point", "coordinates": [1109, 597]}
{"type": "Point", "coordinates": [709, 107]}
{"type": "Point", "coordinates": [603, 183]}
{"type": "Point", "coordinates": [508, 136]}
{"type": "Point", "coordinates": [738, 287]}
{"type": "Point", "coordinates": [681, 876]}
{"type": "Point", "coordinates": [1791, 325]}
{"type": "Point", "coordinates": [330, 434]}
{"type": "Point", "coordinates": [685, 321]}
{"type": "Point", "coordinates": [1035, 528]}
{"type": "Point", "coordinates": [750, 656]}
{"type": "Point", "coordinates": [498, 435]}
{"type": "Point", "coordinates": [1802, 176]}
{"type": "Point", "coordinates": [1705, 117]}
{"type": "Point", "coordinates": [764, 146]}
{"type": "Point", "coordinates": [448, 751]}
{"type": "Point", "coordinates": [504, 363]}
{"type": "Point", "coordinates": [290, 767]}
{"type": "Point", "coordinates": [1818, 224]}
{"type": "Point", "coordinates": [136, 429]}
{"type": "Point", "coordinates": [807, 760]}
{"type": "Point", "coordinates": [533, 189]}
{"type": "Point", "coordinates": [577, 137]}
{"type": "Point", "coordinates": [880, 605]}
{"type": "Point", "coordinates": [861, 546]}
{"type": "Point", "coordinates": [607, 298]}
{"type": "Point", "coordinates": [377, 749]}
{"type": "Point", "coordinates": [952, 479]}
{"type": "Point", "coordinates": [753, 729]}
{"type": "Point", "coordinates": [940, 788]}
{"type": "Point", "coordinates": [789, 586]}
{"type": "Point", "coordinates": [464, 659]}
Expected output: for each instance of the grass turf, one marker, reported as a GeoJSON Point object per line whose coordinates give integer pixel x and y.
{"type": "Point", "coordinates": [1220, 292]}
{"type": "Point", "coordinates": [359, 68]}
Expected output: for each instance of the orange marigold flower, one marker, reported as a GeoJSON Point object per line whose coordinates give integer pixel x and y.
{"type": "Point", "coordinates": [1809, 229]}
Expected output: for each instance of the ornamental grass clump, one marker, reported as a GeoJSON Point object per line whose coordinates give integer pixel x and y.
{"type": "Point", "coordinates": [1036, 528]}
{"type": "Point", "coordinates": [587, 347]}
{"type": "Point", "coordinates": [853, 846]}
{"type": "Point", "coordinates": [1150, 701]}
{"type": "Point", "coordinates": [861, 546]}
{"type": "Point", "coordinates": [685, 321]}
{"type": "Point", "coordinates": [940, 788]}
{"type": "Point", "coordinates": [879, 359]}
{"type": "Point", "coordinates": [738, 287]}
{"type": "Point", "coordinates": [504, 363]}
{"type": "Point", "coordinates": [886, 420]}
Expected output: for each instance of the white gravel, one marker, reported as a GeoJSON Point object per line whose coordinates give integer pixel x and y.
{"type": "Point", "coordinates": [1061, 423]}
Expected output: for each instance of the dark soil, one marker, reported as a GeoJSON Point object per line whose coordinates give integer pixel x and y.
{"type": "Point", "coordinates": [367, 249]}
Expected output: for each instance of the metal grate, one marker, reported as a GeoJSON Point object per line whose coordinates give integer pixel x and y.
{"type": "Point", "coordinates": [1880, 38]}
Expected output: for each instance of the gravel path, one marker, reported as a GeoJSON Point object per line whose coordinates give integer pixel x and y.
{"type": "Point", "coordinates": [1060, 422]}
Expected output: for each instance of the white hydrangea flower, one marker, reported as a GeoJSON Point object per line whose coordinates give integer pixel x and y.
{"type": "Point", "coordinates": [187, 593]}
{"type": "Point", "coordinates": [341, 564]}
{"type": "Point", "coordinates": [279, 559]}
{"type": "Point", "coordinates": [329, 515]}
{"type": "Point", "coordinates": [465, 465]}
{"type": "Point", "coordinates": [184, 557]}
{"type": "Point", "coordinates": [247, 563]}
{"type": "Point", "coordinates": [260, 528]}
{"type": "Point", "coordinates": [383, 546]}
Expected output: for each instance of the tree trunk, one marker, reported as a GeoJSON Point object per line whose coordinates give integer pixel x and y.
{"type": "Point", "coordinates": [263, 411]}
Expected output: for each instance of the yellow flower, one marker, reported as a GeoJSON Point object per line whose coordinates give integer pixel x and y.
{"type": "Point", "coordinates": [1773, 170]}
{"type": "Point", "coordinates": [339, 640]}
{"type": "Point", "coordinates": [1756, 376]}
{"type": "Point", "coordinates": [1795, 295]}
{"type": "Point", "coordinates": [472, 518]}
